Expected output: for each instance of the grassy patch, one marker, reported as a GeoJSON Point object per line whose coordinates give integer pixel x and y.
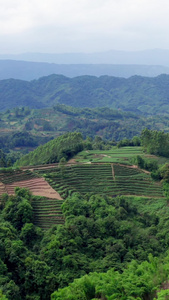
{"type": "Point", "coordinates": [121, 155]}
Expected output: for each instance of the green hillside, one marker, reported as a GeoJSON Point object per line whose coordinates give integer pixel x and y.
{"type": "Point", "coordinates": [105, 179]}
{"type": "Point", "coordinates": [111, 222]}
{"type": "Point", "coordinates": [138, 281]}
{"type": "Point", "coordinates": [64, 146]}
{"type": "Point", "coordinates": [99, 227]}
{"type": "Point", "coordinates": [134, 94]}
{"type": "Point", "coordinates": [23, 130]}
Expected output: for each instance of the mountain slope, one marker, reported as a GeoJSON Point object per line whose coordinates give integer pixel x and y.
{"type": "Point", "coordinates": [26, 70]}
{"type": "Point", "coordinates": [144, 57]}
{"type": "Point", "coordinates": [64, 146]}
{"type": "Point", "coordinates": [137, 94]}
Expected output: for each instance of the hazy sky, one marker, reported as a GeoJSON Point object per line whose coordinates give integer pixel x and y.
{"type": "Point", "coordinates": [83, 25]}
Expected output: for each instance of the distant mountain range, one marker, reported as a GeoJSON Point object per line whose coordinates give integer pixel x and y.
{"type": "Point", "coordinates": [25, 70]}
{"type": "Point", "coordinates": [146, 57]}
{"type": "Point", "coordinates": [29, 66]}
{"type": "Point", "coordinates": [141, 95]}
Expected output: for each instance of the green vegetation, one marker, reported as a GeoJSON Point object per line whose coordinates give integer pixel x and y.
{"type": "Point", "coordinates": [99, 233]}
{"type": "Point", "coordinates": [8, 176]}
{"type": "Point", "coordinates": [22, 274]}
{"type": "Point", "coordinates": [106, 179]}
{"type": "Point", "coordinates": [138, 281]}
{"type": "Point", "coordinates": [24, 132]}
{"type": "Point", "coordinates": [155, 142]}
{"type": "Point", "coordinates": [65, 146]}
{"type": "Point", "coordinates": [125, 110]}
{"type": "Point", "coordinates": [133, 94]}
{"type": "Point", "coordinates": [22, 129]}
{"type": "Point", "coordinates": [47, 212]}
{"type": "Point", "coordinates": [108, 239]}
{"type": "Point", "coordinates": [113, 155]}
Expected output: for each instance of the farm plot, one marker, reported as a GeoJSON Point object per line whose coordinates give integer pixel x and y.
{"type": "Point", "coordinates": [133, 181]}
{"type": "Point", "coordinates": [26, 179]}
{"type": "Point", "coordinates": [109, 179]}
{"type": "Point", "coordinates": [47, 212]}
{"type": "Point", "coordinates": [81, 178]}
{"type": "Point", "coordinates": [38, 186]}
{"type": "Point", "coordinates": [114, 155]}
{"type": "Point", "coordinates": [2, 188]}
{"type": "Point", "coordinates": [46, 209]}
{"type": "Point", "coordinates": [11, 176]}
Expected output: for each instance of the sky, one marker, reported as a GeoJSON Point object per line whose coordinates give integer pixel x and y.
{"type": "Point", "coordinates": [65, 26]}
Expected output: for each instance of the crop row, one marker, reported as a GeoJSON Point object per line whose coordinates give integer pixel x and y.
{"type": "Point", "coordinates": [98, 178]}
{"type": "Point", "coordinates": [47, 212]}
{"type": "Point", "coordinates": [82, 179]}
{"type": "Point", "coordinates": [8, 178]}
{"type": "Point", "coordinates": [125, 171]}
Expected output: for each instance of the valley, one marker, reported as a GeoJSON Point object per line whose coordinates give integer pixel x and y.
{"type": "Point", "coordinates": [84, 189]}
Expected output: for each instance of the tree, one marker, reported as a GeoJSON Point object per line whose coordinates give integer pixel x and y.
{"type": "Point", "coordinates": [18, 209]}
{"type": "Point", "coordinates": [62, 163]}
{"type": "Point", "coordinates": [2, 297]}
{"type": "Point", "coordinates": [30, 234]}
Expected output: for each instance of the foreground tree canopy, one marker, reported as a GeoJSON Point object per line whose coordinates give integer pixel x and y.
{"type": "Point", "coordinates": [99, 234]}
{"type": "Point", "coordinates": [138, 281]}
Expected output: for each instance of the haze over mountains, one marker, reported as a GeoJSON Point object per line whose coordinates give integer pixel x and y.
{"type": "Point", "coordinates": [137, 94]}
{"type": "Point", "coordinates": [29, 66]}
{"type": "Point", "coordinates": [146, 57]}
{"type": "Point", "coordinates": [25, 70]}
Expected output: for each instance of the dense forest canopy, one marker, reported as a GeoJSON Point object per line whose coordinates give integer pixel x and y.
{"type": "Point", "coordinates": [134, 94]}
{"type": "Point", "coordinates": [107, 246]}
{"type": "Point", "coordinates": [103, 239]}
{"type": "Point", "coordinates": [155, 142]}
{"type": "Point", "coordinates": [24, 129]}
{"type": "Point", "coordinates": [64, 146]}
{"type": "Point", "coordinates": [100, 233]}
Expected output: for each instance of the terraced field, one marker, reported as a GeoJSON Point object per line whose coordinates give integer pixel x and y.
{"type": "Point", "coordinates": [133, 181]}
{"type": "Point", "coordinates": [2, 188]}
{"type": "Point", "coordinates": [109, 179]}
{"type": "Point", "coordinates": [46, 209]}
{"type": "Point", "coordinates": [17, 175]}
{"type": "Point", "coordinates": [47, 212]}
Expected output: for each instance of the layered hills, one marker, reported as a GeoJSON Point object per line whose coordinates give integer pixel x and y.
{"type": "Point", "coordinates": [29, 70]}
{"type": "Point", "coordinates": [137, 94]}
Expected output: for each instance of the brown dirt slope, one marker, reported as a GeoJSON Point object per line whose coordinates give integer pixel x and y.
{"type": "Point", "coordinates": [38, 187]}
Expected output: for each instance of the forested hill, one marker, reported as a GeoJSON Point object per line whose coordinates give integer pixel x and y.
{"type": "Point", "coordinates": [137, 94]}
{"type": "Point", "coordinates": [65, 146]}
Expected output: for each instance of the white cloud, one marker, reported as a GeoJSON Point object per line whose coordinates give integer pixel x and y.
{"type": "Point", "coordinates": [94, 24]}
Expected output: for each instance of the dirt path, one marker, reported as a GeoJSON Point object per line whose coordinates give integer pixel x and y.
{"type": "Point", "coordinates": [71, 161]}
{"type": "Point", "coordinates": [113, 173]}
{"type": "Point", "coordinates": [134, 167]}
